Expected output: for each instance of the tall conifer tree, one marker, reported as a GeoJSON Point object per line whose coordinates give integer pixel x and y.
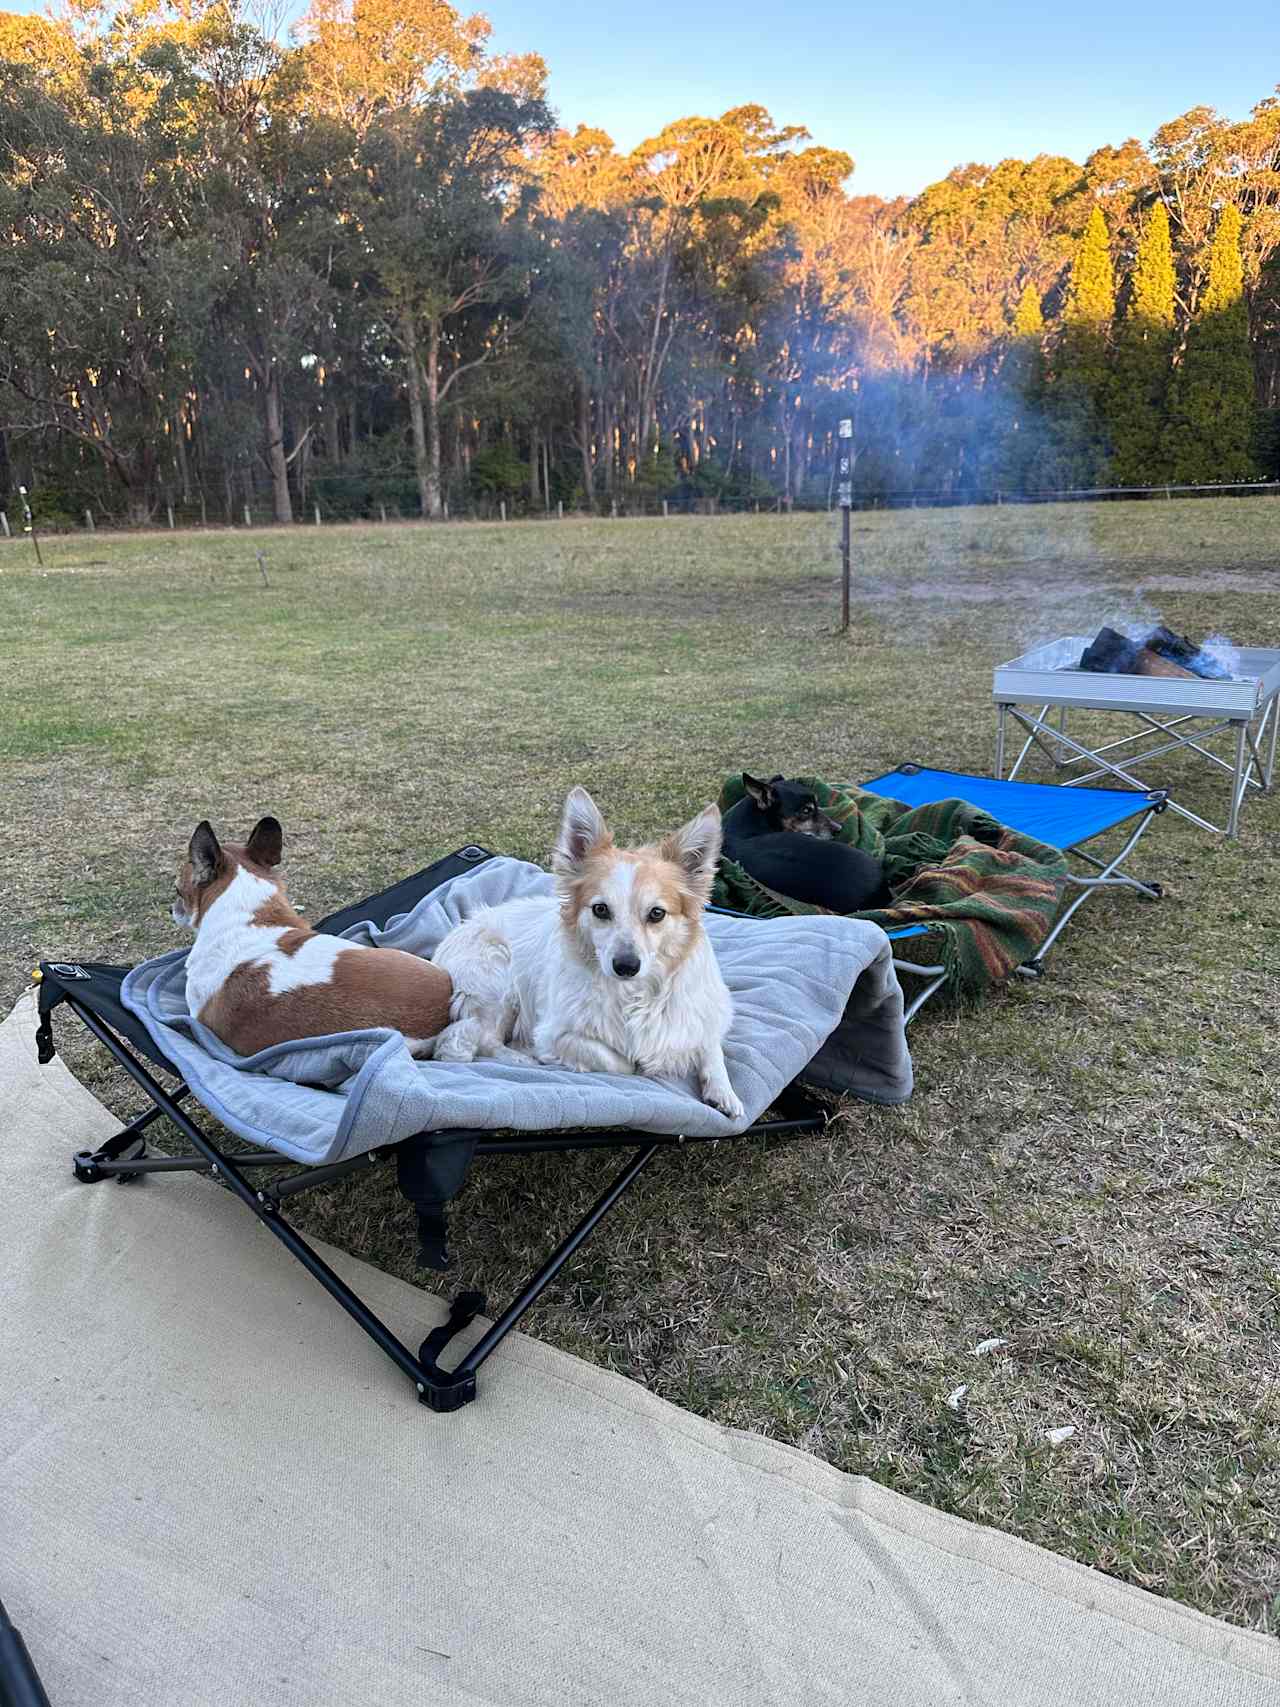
{"type": "Point", "coordinates": [1028, 317]}
{"type": "Point", "coordinates": [1077, 448]}
{"type": "Point", "coordinates": [1022, 385]}
{"type": "Point", "coordinates": [1213, 413]}
{"type": "Point", "coordinates": [1138, 394]}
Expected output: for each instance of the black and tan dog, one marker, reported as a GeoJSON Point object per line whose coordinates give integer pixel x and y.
{"type": "Point", "coordinates": [780, 836]}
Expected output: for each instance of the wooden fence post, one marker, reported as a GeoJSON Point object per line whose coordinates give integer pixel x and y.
{"type": "Point", "coordinates": [4, 523]}
{"type": "Point", "coordinates": [317, 508]}
{"type": "Point", "coordinates": [88, 520]}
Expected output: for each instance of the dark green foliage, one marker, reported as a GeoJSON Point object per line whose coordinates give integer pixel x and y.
{"type": "Point", "coordinates": [1212, 432]}
{"type": "Point", "coordinates": [1137, 398]}
{"type": "Point", "coordinates": [1077, 443]}
{"type": "Point", "coordinates": [497, 472]}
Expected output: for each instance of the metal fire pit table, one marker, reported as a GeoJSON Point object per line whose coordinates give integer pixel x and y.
{"type": "Point", "coordinates": [1175, 712]}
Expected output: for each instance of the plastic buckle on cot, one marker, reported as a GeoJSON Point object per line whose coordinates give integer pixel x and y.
{"type": "Point", "coordinates": [447, 1389]}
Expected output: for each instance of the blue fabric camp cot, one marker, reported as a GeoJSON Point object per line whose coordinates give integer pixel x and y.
{"type": "Point", "coordinates": [1064, 817]}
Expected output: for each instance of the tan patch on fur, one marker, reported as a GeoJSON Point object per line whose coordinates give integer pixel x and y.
{"type": "Point", "coordinates": [678, 895]}
{"type": "Point", "coordinates": [371, 987]}
{"type": "Point", "coordinates": [578, 889]}
{"type": "Point", "coordinates": [196, 900]}
{"type": "Point", "coordinates": [659, 878]}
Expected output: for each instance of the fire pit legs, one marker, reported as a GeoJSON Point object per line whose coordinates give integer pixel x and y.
{"type": "Point", "coordinates": [1062, 725]}
{"type": "Point", "coordinates": [1241, 780]}
{"type": "Point", "coordinates": [1176, 708]}
{"type": "Point", "coordinates": [1248, 770]}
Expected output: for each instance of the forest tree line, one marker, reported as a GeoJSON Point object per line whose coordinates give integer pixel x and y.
{"type": "Point", "coordinates": [363, 267]}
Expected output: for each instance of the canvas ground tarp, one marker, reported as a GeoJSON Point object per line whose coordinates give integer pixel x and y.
{"type": "Point", "coordinates": [214, 1490]}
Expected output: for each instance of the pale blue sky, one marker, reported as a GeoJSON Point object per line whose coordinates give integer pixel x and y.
{"type": "Point", "coordinates": [908, 91]}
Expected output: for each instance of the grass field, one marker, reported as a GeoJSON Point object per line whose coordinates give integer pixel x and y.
{"type": "Point", "coordinates": [1089, 1169]}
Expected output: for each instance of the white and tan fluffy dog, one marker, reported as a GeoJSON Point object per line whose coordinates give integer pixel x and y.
{"type": "Point", "coordinates": [613, 973]}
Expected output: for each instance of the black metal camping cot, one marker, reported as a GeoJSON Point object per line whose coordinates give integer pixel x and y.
{"type": "Point", "coordinates": [430, 1168]}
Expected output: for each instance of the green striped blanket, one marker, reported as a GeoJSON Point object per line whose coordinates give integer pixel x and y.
{"type": "Point", "coordinates": [987, 893]}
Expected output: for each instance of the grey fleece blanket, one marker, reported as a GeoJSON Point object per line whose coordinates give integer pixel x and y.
{"type": "Point", "coordinates": [813, 997]}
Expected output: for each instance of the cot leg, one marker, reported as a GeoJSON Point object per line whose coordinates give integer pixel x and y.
{"type": "Point", "coordinates": [1110, 876]}
{"type": "Point", "coordinates": [1002, 712]}
{"type": "Point", "coordinates": [432, 1210]}
{"type": "Point", "coordinates": [442, 1390]}
{"type": "Point", "coordinates": [1273, 712]}
{"type": "Point", "coordinates": [1238, 781]}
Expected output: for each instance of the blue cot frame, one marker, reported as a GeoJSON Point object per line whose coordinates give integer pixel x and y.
{"type": "Point", "coordinates": [1063, 817]}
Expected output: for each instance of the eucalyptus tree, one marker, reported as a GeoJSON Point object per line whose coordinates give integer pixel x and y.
{"type": "Point", "coordinates": [443, 214]}
{"type": "Point", "coordinates": [105, 272]}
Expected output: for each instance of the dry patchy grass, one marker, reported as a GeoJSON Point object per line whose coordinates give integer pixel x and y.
{"type": "Point", "coordinates": [1088, 1169]}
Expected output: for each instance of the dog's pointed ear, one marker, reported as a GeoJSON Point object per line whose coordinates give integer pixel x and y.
{"type": "Point", "coordinates": [695, 848]}
{"type": "Point", "coordinates": [760, 792]}
{"type": "Point", "coordinates": [204, 853]}
{"type": "Point", "coordinates": [266, 842]}
{"type": "Point", "coordinates": [581, 829]}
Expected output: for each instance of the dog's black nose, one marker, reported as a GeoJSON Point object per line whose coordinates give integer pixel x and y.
{"type": "Point", "coordinates": [626, 968]}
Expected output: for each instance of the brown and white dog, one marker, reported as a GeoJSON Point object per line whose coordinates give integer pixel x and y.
{"type": "Point", "coordinates": [613, 973]}
{"type": "Point", "coordinates": [258, 974]}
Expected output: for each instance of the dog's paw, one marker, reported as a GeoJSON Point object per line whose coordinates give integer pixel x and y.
{"type": "Point", "coordinates": [456, 1042]}
{"type": "Point", "coordinates": [720, 1096]}
{"type": "Point", "coordinates": [514, 1057]}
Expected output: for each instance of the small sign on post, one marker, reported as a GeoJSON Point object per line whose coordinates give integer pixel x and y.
{"type": "Point", "coordinates": [844, 490]}
{"type": "Point", "coordinates": [29, 524]}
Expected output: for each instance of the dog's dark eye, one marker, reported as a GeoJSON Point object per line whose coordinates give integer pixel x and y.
{"type": "Point", "coordinates": [656, 915]}
{"type": "Point", "coordinates": [809, 809]}
{"type": "Point", "coordinates": [600, 910]}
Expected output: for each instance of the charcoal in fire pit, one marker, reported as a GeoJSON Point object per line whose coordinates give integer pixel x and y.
{"type": "Point", "coordinates": [1180, 650]}
{"type": "Point", "coordinates": [1159, 653]}
{"type": "Point", "coordinates": [1175, 647]}
{"type": "Point", "coordinates": [1111, 654]}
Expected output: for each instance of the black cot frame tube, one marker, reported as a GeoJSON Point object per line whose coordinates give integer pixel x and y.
{"type": "Point", "coordinates": [297, 1246]}
{"type": "Point", "coordinates": [441, 1389]}
{"type": "Point", "coordinates": [20, 1684]}
{"type": "Point", "coordinates": [556, 1261]}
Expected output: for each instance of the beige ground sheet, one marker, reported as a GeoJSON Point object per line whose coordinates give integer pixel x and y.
{"type": "Point", "coordinates": [215, 1490]}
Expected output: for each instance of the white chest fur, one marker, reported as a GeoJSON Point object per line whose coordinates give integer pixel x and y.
{"type": "Point", "coordinates": [661, 1023]}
